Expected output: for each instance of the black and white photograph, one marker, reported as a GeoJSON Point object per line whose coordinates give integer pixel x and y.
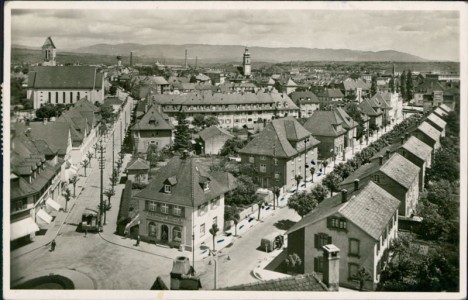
{"type": "Point", "coordinates": [234, 150]}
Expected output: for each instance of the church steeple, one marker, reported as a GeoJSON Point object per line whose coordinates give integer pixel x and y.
{"type": "Point", "coordinates": [48, 52]}
{"type": "Point", "coordinates": [246, 63]}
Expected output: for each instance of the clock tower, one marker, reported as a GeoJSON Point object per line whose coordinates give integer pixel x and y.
{"type": "Point", "coordinates": [246, 63]}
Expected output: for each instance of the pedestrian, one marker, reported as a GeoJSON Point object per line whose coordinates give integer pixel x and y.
{"type": "Point", "coordinates": [52, 245]}
{"type": "Point", "coordinates": [86, 233]}
{"type": "Point", "coordinates": [138, 241]}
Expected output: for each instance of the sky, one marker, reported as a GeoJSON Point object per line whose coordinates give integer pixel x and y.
{"type": "Point", "coordinates": [429, 34]}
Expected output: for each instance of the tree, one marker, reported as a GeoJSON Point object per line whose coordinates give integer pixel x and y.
{"type": "Point", "coordinates": [107, 113]}
{"type": "Point", "coordinates": [198, 120]}
{"type": "Point", "coordinates": [232, 146]}
{"type": "Point", "coordinates": [244, 193]}
{"type": "Point", "coordinates": [302, 203]}
{"type": "Point", "coordinates": [293, 261]}
{"type": "Point", "coordinates": [113, 90]}
{"type": "Point", "coordinates": [214, 230]}
{"type": "Point", "coordinates": [193, 79]}
{"type": "Point", "coordinates": [260, 203]}
{"type": "Point", "coordinates": [152, 155]}
{"type": "Point", "coordinates": [182, 138]}
{"type": "Point", "coordinates": [89, 155]}
{"type": "Point", "coordinates": [444, 166]}
{"type": "Point", "coordinates": [362, 276]}
{"type": "Point", "coordinates": [391, 84]}
{"type": "Point", "coordinates": [276, 193]}
{"type": "Point", "coordinates": [312, 172]}
{"type": "Point", "coordinates": [74, 180]}
{"type": "Point", "coordinates": [114, 179]}
{"type": "Point", "coordinates": [46, 111]}
{"type": "Point", "coordinates": [109, 193]}
{"type": "Point", "coordinates": [325, 164]}
{"type": "Point", "coordinates": [409, 86]}
{"type": "Point", "coordinates": [298, 179]}
{"type": "Point", "coordinates": [319, 192]}
{"type": "Point", "coordinates": [332, 182]}
{"type": "Point", "coordinates": [373, 88]}
{"type": "Point", "coordinates": [403, 84]}
{"type": "Point", "coordinates": [231, 213]}
{"type": "Point", "coordinates": [85, 164]}
{"type": "Point", "coordinates": [67, 197]}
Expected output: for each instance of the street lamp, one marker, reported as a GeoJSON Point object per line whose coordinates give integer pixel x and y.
{"type": "Point", "coordinates": [305, 162]}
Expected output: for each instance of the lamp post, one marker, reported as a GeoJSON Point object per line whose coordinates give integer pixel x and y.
{"type": "Point", "coordinates": [213, 253]}
{"type": "Point", "coordinates": [102, 164]}
{"type": "Point", "coordinates": [305, 163]}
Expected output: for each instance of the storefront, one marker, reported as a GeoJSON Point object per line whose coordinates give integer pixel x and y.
{"type": "Point", "coordinates": [168, 230]}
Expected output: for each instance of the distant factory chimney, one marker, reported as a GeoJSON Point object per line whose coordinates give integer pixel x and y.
{"type": "Point", "coordinates": [131, 58]}
{"type": "Point", "coordinates": [186, 58]}
{"type": "Point", "coordinates": [196, 62]}
{"type": "Point", "coordinates": [119, 60]}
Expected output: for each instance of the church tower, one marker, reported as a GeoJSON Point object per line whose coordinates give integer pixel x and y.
{"type": "Point", "coordinates": [246, 63]}
{"type": "Point", "coordinates": [48, 52]}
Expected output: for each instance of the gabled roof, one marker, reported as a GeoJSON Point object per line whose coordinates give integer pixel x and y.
{"type": "Point", "coordinates": [334, 93]}
{"type": "Point", "coordinates": [303, 97]}
{"type": "Point", "coordinates": [213, 131]}
{"type": "Point", "coordinates": [430, 131]}
{"type": "Point", "coordinates": [381, 100]}
{"type": "Point", "coordinates": [65, 77]}
{"type": "Point", "coordinates": [299, 283]}
{"type": "Point", "coordinates": [137, 164]}
{"type": "Point", "coordinates": [401, 170]}
{"type": "Point", "coordinates": [153, 120]}
{"type": "Point", "coordinates": [276, 138]}
{"type": "Point", "coordinates": [440, 112]}
{"type": "Point", "coordinates": [53, 133]}
{"type": "Point", "coordinates": [348, 122]}
{"type": "Point", "coordinates": [323, 123]}
{"type": "Point", "coordinates": [437, 121]}
{"type": "Point", "coordinates": [112, 101]}
{"type": "Point", "coordinates": [445, 107]}
{"type": "Point", "coordinates": [352, 84]}
{"type": "Point", "coordinates": [188, 191]}
{"type": "Point", "coordinates": [363, 171]}
{"type": "Point", "coordinates": [366, 108]}
{"type": "Point", "coordinates": [48, 42]}
{"type": "Point", "coordinates": [417, 147]}
{"type": "Point", "coordinates": [369, 208]}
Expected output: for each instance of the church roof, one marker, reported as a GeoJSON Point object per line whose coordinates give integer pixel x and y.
{"type": "Point", "coordinates": [48, 42]}
{"type": "Point", "coordinates": [65, 77]}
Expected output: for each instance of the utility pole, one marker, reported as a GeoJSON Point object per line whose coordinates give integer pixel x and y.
{"type": "Point", "coordinates": [305, 163]}
{"type": "Point", "coordinates": [113, 140]}
{"type": "Point", "coordinates": [102, 163]}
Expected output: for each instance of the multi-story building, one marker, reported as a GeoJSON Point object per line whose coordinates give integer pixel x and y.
{"type": "Point", "coordinates": [307, 102]}
{"type": "Point", "coordinates": [280, 152]}
{"type": "Point", "coordinates": [437, 123]}
{"type": "Point", "coordinates": [154, 128]}
{"type": "Point", "coordinates": [232, 110]}
{"type": "Point", "coordinates": [355, 87]}
{"type": "Point", "coordinates": [373, 112]}
{"type": "Point", "coordinates": [184, 198]}
{"type": "Point", "coordinates": [419, 154]}
{"type": "Point", "coordinates": [428, 134]}
{"type": "Point", "coordinates": [362, 223]}
{"type": "Point", "coordinates": [213, 139]}
{"type": "Point", "coordinates": [349, 125]}
{"type": "Point", "coordinates": [327, 127]}
{"type": "Point", "coordinates": [65, 85]}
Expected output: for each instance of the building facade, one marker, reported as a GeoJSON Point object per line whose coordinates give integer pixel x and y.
{"type": "Point", "coordinates": [154, 128]}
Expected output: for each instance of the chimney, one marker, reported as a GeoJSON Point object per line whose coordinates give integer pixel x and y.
{"type": "Point", "coordinates": [182, 275]}
{"type": "Point", "coordinates": [356, 184]}
{"type": "Point", "coordinates": [131, 58]}
{"type": "Point", "coordinates": [331, 267]}
{"type": "Point", "coordinates": [184, 154]}
{"type": "Point", "coordinates": [380, 160]}
{"type": "Point", "coordinates": [407, 136]}
{"type": "Point", "coordinates": [387, 154]}
{"type": "Point", "coordinates": [402, 139]}
{"type": "Point", "coordinates": [186, 58]}
{"type": "Point", "coordinates": [344, 196]}
{"type": "Point", "coordinates": [44, 120]}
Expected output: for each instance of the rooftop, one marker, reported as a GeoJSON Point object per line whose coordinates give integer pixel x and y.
{"type": "Point", "coordinates": [325, 123]}
{"type": "Point", "coordinates": [65, 77]}
{"type": "Point", "coordinates": [213, 131]}
{"type": "Point", "coordinates": [429, 130]}
{"type": "Point", "coordinates": [306, 282]}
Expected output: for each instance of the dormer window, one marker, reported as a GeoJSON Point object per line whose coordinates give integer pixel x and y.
{"type": "Point", "coordinates": [206, 186]}
{"type": "Point", "coordinates": [205, 183]}
{"type": "Point", "coordinates": [169, 183]}
{"type": "Point", "coordinates": [167, 188]}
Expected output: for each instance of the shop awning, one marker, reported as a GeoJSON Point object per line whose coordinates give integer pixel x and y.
{"type": "Point", "coordinates": [135, 221]}
{"type": "Point", "coordinates": [44, 216]}
{"type": "Point", "coordinates": [53, 204]}
{"type": "Point", "coordinates": [22, 228]}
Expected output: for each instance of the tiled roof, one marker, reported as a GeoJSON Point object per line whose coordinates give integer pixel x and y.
{"type": "Point", "coordinates": [334, 93]}
{"type": "Point", "coordinates": [369, 208]}
{"type": "Point", "coordinates": [381, 100]}
{"type": "Point", "coordinates": [352, 84]}
{"type": "Point", "coordinates": [429, 130]}
{"type": "Point", "coordinates": [275, 139]}
{"type": "Point", "coordinates": [364, 171]}
{"type": "Point", "coordinates": [445, 107]}
{"type": "Point", "coordinates": [303, 97]}
{"type": "Point", "coordinates": [366, 108]}
{"type": "Point", "coordinates": [202, 77]}
{"type": "Point", "coordinates": [383, 152]}
{"type": "Point", "coordinates": [437, 120]}
{"type": "Point", "coordinates": [153, 120]}
{"type": "Point", "coordinates": [440, 112]}
{"type": "Point", "coordinates": [49, 42]}
{"type": "Point", "coordinates": [65, 77]}
{"type": "Point", "coordinates": [299, 283]}
{"type": "Point", "coordinates": [213, 131]}
{"type": "Point", "coordinates": [137, 164]}
{"type": "Point", "coordinates": [417, 147]}
{"type": "Point", "coordinates": [401, 170]}
{"type": "Point", "coordinates": [188, 190]}
{"type": "Point", "coordinates": [321, 123]}
{"type": "Point", "coordinates": [348, 122]}
{"type": "Point", "coordinates": [226, 99]}
{"type": "Point", "coordinates": [53, 133]}
{"type": "Point", "coordinates": [113, 101]}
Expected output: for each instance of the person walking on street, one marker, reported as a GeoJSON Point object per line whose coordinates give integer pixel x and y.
{"type": "Point", "coordinates": [138, 241]}
{"type": "Point", "coordinates": [52, 245]}
{"type": "Point", "coordinates": [86, 233]}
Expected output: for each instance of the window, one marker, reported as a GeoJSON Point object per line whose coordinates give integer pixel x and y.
{"type": "Point", "coordinates": [71, 97]}
{"type": "Point", "coordinates": [176, 234]}
{"type": "Point", "coordinates": [318, 264]}
{"type": "Point", "coordinates": [50, 97]}
{"type": "Point", "coordinates": [202, 229]}
{"type": "Point", "coordinates": [64, 96]}
{"type": "Point", "coordinates": [377, 178]}
{"type": "Point", "coordinates": [152, 206]}
{"type": "Point", "coordinates": [177, 210]}
{"type": "Point", "coordinates": [263, 168]}
{"type": "Point", "coordinates": [353, 247]}
{"type": "Point", "coordinates": [337, 223]}
{"type": "Point", "coordinates": [206, 186]}
{"type": "Point", "coordinates": [215, 220]}
{"type": "Point", "coordinates": [215, 202]}
{"type": "Point", "coordinates": [78, 96]}
{"type": "Point", "coordinates": [152, 229]}
{"type": "Point", "coordinates": [167, 188]}
{"type": "Point", "coordinates": [277, 176]}
{"type": "Point", "coordinates": [322, 239]}
{"type": "Point", "coordinates": [165, 208]}
{"type": "Point", "coordinates": [352, 271]}
{"type": "Point", "coordinates": [378, 246]}
{"type": "Point", "coordinates": [251, 159]}
{"type": "Point", "coordinates": [19, 205]}
{"type": "Point", "coordinates": [262, 157]}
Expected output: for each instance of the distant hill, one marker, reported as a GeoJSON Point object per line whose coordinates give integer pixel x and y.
{"type": "Point", "coordinates": [224, 53]}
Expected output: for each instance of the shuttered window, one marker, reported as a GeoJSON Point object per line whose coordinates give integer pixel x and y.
{"type": "Point", "coordinates": [321, 239]}
{"type": "Point", "coordinates": [318, 264]}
